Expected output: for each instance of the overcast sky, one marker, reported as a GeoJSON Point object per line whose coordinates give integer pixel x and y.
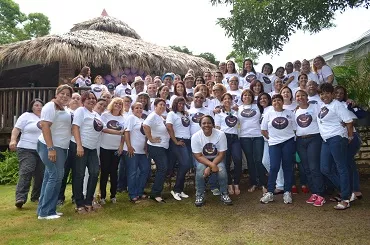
{"type": "Point", "coordinates": [192, 23]}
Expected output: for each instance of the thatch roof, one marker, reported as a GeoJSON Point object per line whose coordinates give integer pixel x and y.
{"type": "Point", "coordinates": [102, 41]}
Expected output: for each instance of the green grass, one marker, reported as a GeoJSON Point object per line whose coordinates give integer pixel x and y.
{"type": "Point", "coordinates": [246, 222]}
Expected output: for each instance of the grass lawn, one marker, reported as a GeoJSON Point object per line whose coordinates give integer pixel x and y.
{"type": "Point", "coordinates": [246, 222]}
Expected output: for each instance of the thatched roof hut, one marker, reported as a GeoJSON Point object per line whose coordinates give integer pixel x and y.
{"type": "Point", "coordinates": [100, 42]}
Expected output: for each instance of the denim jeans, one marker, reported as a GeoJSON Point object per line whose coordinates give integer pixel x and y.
{"type": "Point", "coordinates": [334, 154]}
{"type": "Point", "coordinates": [184, 158]}
{"type": "Point", "coordinates": [71, 159]}
{"type": "Point", "coordinates": [281, 154]}
{"type": "Point", "coordinates": [302, 174]}
{"type": "Point", "coordinates": [212, 180]}
{"type": "Point", "coordinates": [91, 161]}
{"type": "Point", "coordinates": [122, 175]}
{"type": "Point", "coordinates": [233, 152]}
{"type": "Point", "coordinates": [253, 150]}
{"type": "Point", "coordinates": [53, 176]}
{"type": "Point", "coordinates": [160, 157]}
{"type": "Point", "coordinates": [267, 165]}
{"type": "Point", "coordinates": [309, 152]}
{"type": "Point", "coordinates": [200, 181]}
{"type": "Point", "coordinates": [30, 165]}
{"type": "Point", "coordinates": [353, 148]}
{"type": "Point", "coordinates": [138, 167]}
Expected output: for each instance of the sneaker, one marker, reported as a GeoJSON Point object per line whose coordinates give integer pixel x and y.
{"type": "Point", "coordinates": [199, 200]}
{"type": "Point", "coordinates": [319, 201]}
{"type": "Point", "coordinates": [59, 214]}
{"type": "Point", "coordinates": [305, 189]}
{"type": "Point", "coordinates": [176, 195]}
{"type": "Point", "coordinates": [216, 192]}
{"type": "Point", "coordinates": [19, 203]}
{"type": "Point", "coordinates": [312, 199]}
{"type": "Point", "coordinates": [287, 197]}
{"type": "Point", "coordinates": [226, 199]}
{"type": "Point", "coordinates": [294, 189]}
{"type": "Point", "coordinates": [96, 205]}
{"type": "Point", "coordinates": [113, 200]}
{"type": "Point", "coordinates": [49, 217]}
{"type": "Point", "coordinates": [102, 201]}
{"type": "Point", "coordinates": [267, 197]}
{"type": "Point", "coordinates": [60, 202]}
{"type": "Point", "coordinates": [183, 195]}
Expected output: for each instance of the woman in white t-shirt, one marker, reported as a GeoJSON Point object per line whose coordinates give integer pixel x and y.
{"type": "Point", "coordinates": [52, 147]}
{"type": "Point", "coordinates": [83, 79]}
{"type": "Point", "coordinates": [231, 72]}
{"type": "Point", "coordinates": [86, 129]}
{"type": "Point", "coordinates": [235, 91]}
{"type": "Point", "coordinates": [178, 127]}
{"type": "Point", "coordinates": [135, 154]}
{"type": "Point", "coordinates": [227, 122]}
{"type": "Point", "coordinates": [309, 146]}
{"type": "Point", "coordinates": [289, 103]}
{"type": "Point", "coordinates": [158, 143]}
{"type": "Point", "coordinates": [324, 72]}
{"type": "Point", "coordinates": [163, 93]}
{"type": "Point", "coordinates": [302, 82]}
{"type": "Point", "coordinates": [30, 164]}
{"type": "Point", "coordinates": [249, 74]}
{"type": "Point", "coordinates": [109, 148]}
{"type": "Point", "coordinates": [98, 87]}
{"type": "Point", "coordinates": [256, 87]}
{"type": "Point", "coordinates": [266, 77]}
{"type": "Point", "coordinates": [278, 126]}
{"type": "Point", "coordinates": [218, 90]}
{"type": "Point", "coordinates": [278, 85]}
{"type": "Point", "coordinates": [251, 140]}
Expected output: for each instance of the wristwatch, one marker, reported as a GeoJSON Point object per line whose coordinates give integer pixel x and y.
{"type": "Point", "coordinates": [51, 148]}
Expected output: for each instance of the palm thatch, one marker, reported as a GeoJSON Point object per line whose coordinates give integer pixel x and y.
{"type": "Point", "coordinates": [106, 41]}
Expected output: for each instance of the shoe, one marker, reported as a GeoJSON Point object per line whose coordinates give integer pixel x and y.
{"type": "Point", "coordinates": [226, 199]}
{"type": "Point", "coordinates": [287, 197]}
{"type": "Point", "coordinates": [344, 204]}
{"type": "Point", "coordinates": [113, 200]}
{"type": "Point", "coordinates": [305, 189]}
{"type": "Point", "coordinates": [96, 205]}
{"type": "Point", "coordinates": [312, 199]}
{"type": "Point", "coordinates": [176, 195]}
{"type": "Point", "coordinates": [319, 201]}
{"type": "Point", "coordinates": [19, 203]}
{"type": "Point", "coordinates": [294, 190]}
{"type": "Point", "coordinates": [81, 210]}
{"type": "Point", "coordinates": [89, 209]}
{"type": "Point", "coordinates": [60, 202]}
{"type": "Point", "coordinates": [267, 197]}
{"type": "Point", "coordinates": [252, 188]}
{"type": "Point", "coordinates": [49, 217]}
{"type": "Point", "coordinates": [158, 199]}
{"type": "Point", "coordinates": [199, 200]}
{"type": "Point", "coordinates": [183, 195]}
{"type": "Point", "coordinates": [216, 192]}
{"type": "Point", "coordinates": [102, 201]}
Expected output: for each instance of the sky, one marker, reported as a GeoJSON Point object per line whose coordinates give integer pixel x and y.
{"type": "Point", "coordinates": [192, 23]}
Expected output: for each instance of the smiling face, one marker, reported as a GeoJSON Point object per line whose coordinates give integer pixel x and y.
{"type": "Point", "coordinates": [339, 94]}
{"type": "Point", "coordinates": [75, 101]}
{"type": "Point", "coordinates": [63, 97]}
{"type": "Point", "coordinates": [301, 98]}
{"type": "Point", "coordinates": [247, 98]}
{"type": "Point", "coordinates": [126, 104]}
{"type": "Point", "coordinates": [198, 100]}
{"type": "Point", "coordinates": [100, 107]}
{"type": "Point", "coordinates": [180, 89]}
{"type": "Point", "coordinates": [117, 106]}
{"type": "Point", "coordinates": [189, 82]}
{"type": "Point", "coordinates": [207, 76]}
{"type": "Point", "coordinates": [165, 91]}
{"type": "Point", "coordinates": [248, 66]}
{"type": "Point", "coordinates": [217, 92]}
{"type": "Point", "coordinates": [289, 67]}
{"type": "Point", "coordinates": [306, 67]}
{"type": "Point", "coordinates": [143, 99]}
{"type": "Point", "coordinates": [311, 88]}
{"type": "Point", "coordinates": [204, 90]}
{"type": "Point", "coordinates": [168, 81]}
{"type": "Point", "coordinates": [280, 72]}
{"type": "Point", "coordinates": [90, 102]}
{"type": "Point", "coordinates": [317, 62]}
{"type": "Point", "coordinates": [278, 85]}
{"type": "Point", "coordinates": [277, 103]}
{"type": "Point", "coordinates": [297, 65]}
{"type": "Point", "coordinates": [107, 97]}
{"type": "Point", "coordinates": [207, 126]}
{"type": "Point", "coordinates": [287, 95]}
{"type": "Point", "coordinates": [152, 90]}
{"type": "Point", "coordinates": [139, 86]}
{"type": "Point", "coordinates": [160, 108]}
{"type": "Point", "coordinates": [230, 67]}
{"type": "Point", "coordinates": [233, 83]}
{"type": "Point", "coordinates": [257, 88]}
{"type": "Point", "coordinates": [137, 110]}
{"type": "Point", "coordinates": [327, 97]}
{"type": "Point", "coordinates": [227, 101]}
{"type": "Point", "coordinates": [181, 106]}
{"type": "Point", "coordinates": [303, 81]}
{"type": "Point", "coordinates": [264, 101]}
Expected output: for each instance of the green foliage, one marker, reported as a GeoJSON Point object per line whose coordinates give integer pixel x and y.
{"type": "Point", "coordinates": [9, 167]}
{"type": "Point", "coordinates": [182, 49]}
{"type": "Point", "coordinates": [207, 56]}
{"type": "Point", "coordinates": [17, 26]}
{"type": "Point", "coordinates": [239, 57]}
{"type": "Point", "coordinates": [266, 25]}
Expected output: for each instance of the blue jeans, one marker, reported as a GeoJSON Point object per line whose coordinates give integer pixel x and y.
{"type": "Point", "coordinates": [91, 161]}
{"type": "Point", "coordinates": [159, 155]}
{"type": "Point", "coordinates": [334, 155]}
{"type": "Point", "coordinates": [53, 175]}
{"type": "Point", "coordinates": [253, 150]}
{"type": "Point", "coordinates": [234, 152]}
{"type": "Point", "coordinates": [353, 148]}
{"type": "Point", "coordinates": [183, 155]}
{"type": "Point", "coordinates": [122, 175]}
{"type": "Point", "coordinates": [212, 180]}
{"type": "Point", "coordinates": [200, 181]}
{"type": "Point", "coordinates": [138, 167]}
{"type": "Point", "coordinates": [283, 154]}
{"type": "Point", "coordinates": [309, 151]}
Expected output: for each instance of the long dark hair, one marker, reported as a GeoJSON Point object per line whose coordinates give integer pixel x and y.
{"type": "Point", "coordinates": [85, 71]}
{"type": "Point", "coordinates": [259, 98]}
{"type": "Point", "coordinates": [245, 71]}
{"type": "Point", "coordinates": [33, 102]}
{"type": "Point", "coordinates": [175, 102]}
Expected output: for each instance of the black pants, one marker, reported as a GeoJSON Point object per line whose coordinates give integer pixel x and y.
{"type": "Point", "coordinates": [109, 168]}
{"type": "Point", "coordinates": [71, 160]}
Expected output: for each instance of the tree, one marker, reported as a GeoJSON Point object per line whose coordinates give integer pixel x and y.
{"type": "Point", "coordinates": [239, 57]}
{"type": "Point", "coordinates": [182, 49]}
{"type": "Point", "coordinates": [210, 57]}
{"type": "Point", "coordinates": [17, 26]}
{"type": "Point", "coordinates": [266, 25]}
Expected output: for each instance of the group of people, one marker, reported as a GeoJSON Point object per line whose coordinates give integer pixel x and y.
{"type": "Point", "coordinates": [207, 123]}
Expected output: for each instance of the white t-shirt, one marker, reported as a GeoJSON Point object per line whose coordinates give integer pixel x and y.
{"type": "Point", "coordinates": [90, 125]}
{"type": "Point", "coordinates": [249, 118]}
{"type": "Point", "coordinates": [190, 92]}
{"type": "Point", "coordinates": [266, 81]}
{"type": "Point", "coordinates": [61, 125]}
{"type": "Point", "coordinates": [137, 135]}
{"type": "Point", "coordinates": [209, 146]}
{"type": "Point", "coordinates": [180, 124]}
{"type": "Point", "coordinates": [306, 120]}
{"type": "Point", "coordinates": [228, 122]}
{"type": "Point", "coordinates": [248, 79]}
{"type": "Point", "coordinates": [83, 82]}
{"type": "Point", "coordinates": [265, 111]}
{"type": "Point", "coordinates": [111, 141]}
{"type": "Point", "coordinates": [29, 125]}
{"type": "Point", "coordinates": [323, 74]}
{"type": "Point", "coordinates": [290, 107]}
{"type": "Point", "coordinates": [195, 114]}
{"type": "Point", "coordinates": [207, 104]}
{"type": "Point", "coordinates": [280, 126]}
{"type": "Point", "coordinates": [227, 76]}
{"type": "Point", "coordinates": [313, 77]}
{"type": "Point", "coordinates": [237, 96]}
{"type": "Point", "coordinates": [167, 108]}
{"type": "Point", "coordinates": [293, 84]}
{"type": "Point", "coordinates": [330, 120]}
{"type": "Point", "coordinates": [315, 100]}
{"type": "Point", "coordinates": [122, 90]}
{"type": "Point", "coordinates": [98, 89]}
{"type": "Point", "coordinates": [158, 129]}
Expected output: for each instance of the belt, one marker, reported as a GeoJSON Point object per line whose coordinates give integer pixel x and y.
{"type": "Point", "coordinates": [307, 136]}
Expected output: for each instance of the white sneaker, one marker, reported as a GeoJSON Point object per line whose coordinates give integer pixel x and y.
{"type": "Point", "coordinates": [176, 195]}
{"type": "Point", "coordinates": [113, 200]}
{"type": "Point", "coordinates": [102, 201]}
{"type": "Point", "coordinates": [216, 192]}
{"type": "Point", "coordinates": [183, 195]}
{"type": "Point", "coordinates": [49, 217]}
{"type": "Point", "coordinates": [59, 214]}
{"type": "Point", "coordinates": [287, 197]}
{"type": "Point", "coordinates": [267, 197]}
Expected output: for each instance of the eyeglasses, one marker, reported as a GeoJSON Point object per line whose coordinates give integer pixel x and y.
{"type": "Point", "coordinates": [199, 97]}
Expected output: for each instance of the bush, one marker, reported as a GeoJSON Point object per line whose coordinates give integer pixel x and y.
{"type": "Point", "coordinates": [9, 168]}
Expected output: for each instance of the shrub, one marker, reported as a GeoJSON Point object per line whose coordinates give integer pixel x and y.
{"type": "Point", "coordinates": [9, 167]}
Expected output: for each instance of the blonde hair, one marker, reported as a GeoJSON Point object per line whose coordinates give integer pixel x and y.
{"type": "Point", "coordinates": [60, 88]}
{"type": "Point", "coordinates": [110, 106]}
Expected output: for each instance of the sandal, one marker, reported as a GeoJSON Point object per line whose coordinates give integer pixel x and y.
{"type": "Point", "coordinates": [135, 200]}
{"type": "Point", "coordinates": [237, 190]}
{"type": "Point", "coordinates": [336, 199]}
{"type": "Point", "coordinates": [230, 190]}
{"type": "Point", "coordinates": [252, 189]}
{"type": "Point", "coordinates": [342, 205]}
{"type": "Point", "coordinates": [81, 210]}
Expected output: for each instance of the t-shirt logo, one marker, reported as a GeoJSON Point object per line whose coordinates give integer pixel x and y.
{"type": "Point", "coordinates": [304, 120]}
{"type": "Point", "coordinates": [185, 121]}
{"type": "Point", "coordinates": [113, 124]}
{"type": "Point", "coordinates": [285, 79]}
{"type": "Point", "coordinates": [187, 106]}
{"type": "Point", "coordinates": [72, 115]}
{"type": "Point", "coordinates": [38, 124]}
{"type": "Point", "coordinates": [97, 89]}
{"type": "Point", "coordinates": [248, 113]}
{"type": "Point", "coordinates": [235, 98]}
{"type": "Point", "coordinates": [144, 116]}
{"type": "Point", "coordinates": [312, 102]}
{"type": "Point", "coordinates": [266, 80]}
{"type": "Point", "coordinates": [190, 94]}
{"type": "Point", "coordinates": [250, 78]}
{"type": "Point", "coordinates": [323, 112]}
{"type": "Point", "coordinates": [196, 117]}
{"type": "Point", "coordinates": [280, 123]}
{"type": "Point", "coordinates": [128, 91]}
{"type": "Point", "coordinates": [142, 129]}
{"type": "Point", "coordinates": [231, 121]}
{"type": "Point", "coordinates": [210, 151]}
{"type": "Point", "coordinates": [87, 82]}
{"type": "Point", "coordinates": [98, 125]}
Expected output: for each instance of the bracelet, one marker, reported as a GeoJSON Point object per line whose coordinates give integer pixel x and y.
{"type": "Point", "coordinates": [51, 148]}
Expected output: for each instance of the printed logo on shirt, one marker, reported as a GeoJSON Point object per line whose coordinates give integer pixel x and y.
{"type": "Point", "coordinates": [250, 78]}
{"type": "Point", "coordinates": [313, 102]}
{"type": "Point", "coordinates": [190, 94]}
{"type": "Point", "coordinates": [88, 82]}
{"type": "Point", "coordinates": [187, 106]}
{"type": "Point", "coordinates": [231, 121]}
{"type": "Point", "coordinates": [285, 80]}
{"type": "Point", "coordinates": [235, 98]}
{"type": "Point", "coordinates": [142, 129]}
{"type": "Point", "coordinates": [304, 120]}
{"type": "Point", "coordinates": [248, 113]}
{"type": "Point", "coordinates": [128, 91]}
{"type": "Point", "coordinates": [98, 125]}
{"type": "Point", "coordinates": [280, 122]}
{"type": "Point", "coordinates": [144, 116]}
{"type": "Point", "coordinates": [97, 89]}
{"type": "Point", "coordinates": [113, 124]}
{"type": "Point", "coordinates": [323, 112]}
{"type": "Point", "coordinates": [196, 117]}
{"type": "Point", "coordinates": [210, 151]}
{"type": "Point", "coordinates": [38, 124]}
{"type": "Point", "coordinates": [185, 121]}
{"type": "Point", "coordinates": [72, 115]}
{"type": "Point", "coordinates": [266, 80]}
{"type": "Point", "coordinates": [261, 119]}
